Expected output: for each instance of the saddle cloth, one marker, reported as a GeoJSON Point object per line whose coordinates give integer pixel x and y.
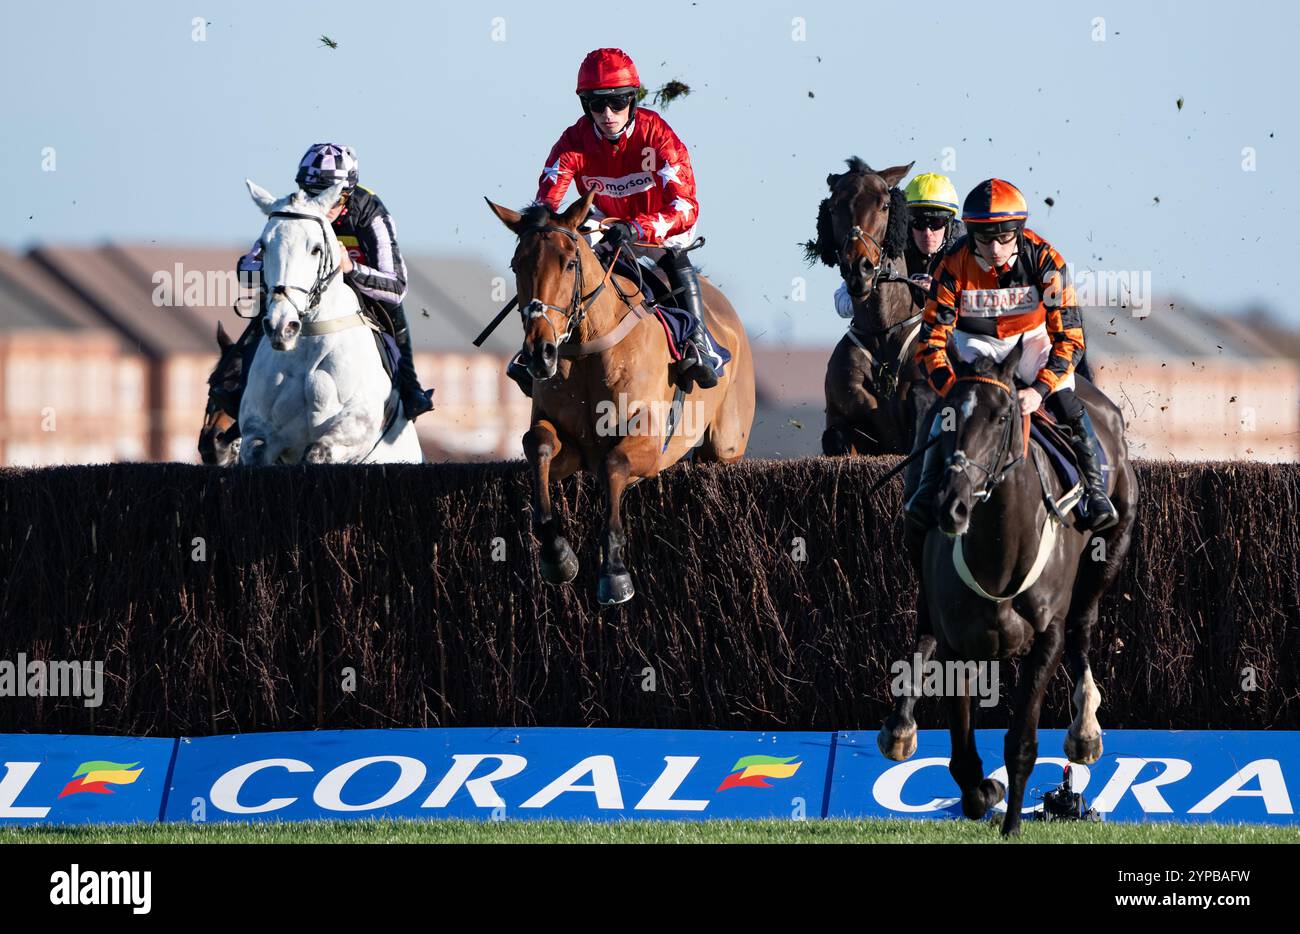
{"type": "Point", "coordinates": [1054, 440]}
{"type": "Point", "coordinates": [678, 324]}
{"type": "Point", "coordinates": [389, 354]}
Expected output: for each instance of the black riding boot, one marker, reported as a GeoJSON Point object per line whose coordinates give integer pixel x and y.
{"type": "Point", "coordinates": [919, 510]}
{"type": "Point", "coordinates": [695, 363]}
{"type": "Point", "coordinates": [1100, 511]}
{"type": "Point", "coordinates": [415, 399]}
{"type": "Point", "coordinates": [517, 370]}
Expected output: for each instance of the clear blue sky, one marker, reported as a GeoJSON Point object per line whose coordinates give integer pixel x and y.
{"type": "Point", "coordinates": [154, 132]}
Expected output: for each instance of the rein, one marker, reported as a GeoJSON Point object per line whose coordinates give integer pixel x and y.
{"type": "Point", "coordinates": [958, 462]}
{"type": "Point", "coordinates": [1055, 514]}
{"type": "Point", "coordinates": [576, 311]}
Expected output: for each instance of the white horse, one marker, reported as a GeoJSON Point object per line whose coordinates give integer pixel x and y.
{"type": "Point", "coordinates": [317, 389]}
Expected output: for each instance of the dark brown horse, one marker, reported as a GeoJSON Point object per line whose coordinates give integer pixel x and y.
{"type": "Point", "coordinates": [219, 436]}
{"type": "Point", "coordinates": [875, 396]}
{"type": "Point", "coordinates": [604, 380]}
{"type": "Point", "coordinates": [1002, 579]}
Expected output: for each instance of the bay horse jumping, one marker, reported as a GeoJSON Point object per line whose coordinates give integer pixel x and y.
{"type": "Point", "coordinates": [219, 436]}
{"type": "Point", "coordinates": [1002, 578]}
{"type": "Point", "coordinates": [593, 349]}
{"type": "Point", "coordinates": [875, 395]}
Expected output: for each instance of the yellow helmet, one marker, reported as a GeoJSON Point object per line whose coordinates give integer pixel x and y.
{"type": "Point", "coordinates": [930, 190]}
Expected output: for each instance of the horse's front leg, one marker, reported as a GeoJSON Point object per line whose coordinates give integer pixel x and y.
{"type": "Point", "coordinates": [343, 438]}
{"type": "Point", "coordinates": [258, 445]}
{"type": "Point", "coordinates": [897, 736]}
{"type": "Point", "coordinates": [978, 793]}
{"type": "Point", "coordinates": [343, 429]}
{"type": "Point", "coordinates": [634, 457]}
{"type": "Point", "coordinates": [1021, 745]}
{"type": "Point", "coordinates": [550, 460]}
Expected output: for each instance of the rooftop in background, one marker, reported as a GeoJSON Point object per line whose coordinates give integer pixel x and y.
{"type": "Point", "coordinates": [453, 296]}
{"type": "Point", "coordinates": [31, 298]}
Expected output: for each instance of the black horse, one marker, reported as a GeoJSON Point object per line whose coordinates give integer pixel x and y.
{"type": "Point", "coordinates": [1002, 578]}
{"type": "Point", "coordinates": [219, 436]}
{"type": "Point", "coordinates": [875, 396]}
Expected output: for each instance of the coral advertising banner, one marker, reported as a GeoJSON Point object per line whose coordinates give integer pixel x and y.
{"type": "Point", "coordinates": [83, 779]}
{"type": "Point", "coordinates": [609, 774]}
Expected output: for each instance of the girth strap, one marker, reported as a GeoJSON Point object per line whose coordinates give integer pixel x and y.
{"type": "Point", "coordinates": [1056, 513]}
{"type": "Point", "coordinates": [316, 328]}
{"type": "Point", "coordinates": [609, 339]}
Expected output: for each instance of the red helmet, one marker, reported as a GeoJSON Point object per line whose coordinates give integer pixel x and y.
{"type": "Point", "coordinates": [605, 69]}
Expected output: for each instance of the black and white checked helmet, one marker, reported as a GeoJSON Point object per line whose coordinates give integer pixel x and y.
{"type": "Point", "coordinates": [326, 164]}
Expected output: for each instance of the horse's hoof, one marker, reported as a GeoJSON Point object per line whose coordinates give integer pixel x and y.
{"type": "Point", "coordinates": [897, 745]}
{"type": "Point", "coordinates": [614, 588]}
{"type": "Point", "coordinates": [317, 453]}
{"type": "Point", "coordinates": [562, 570]}
{"type": "Point", "coordinates": [1085, 750]}
{"type": "Point", "coordinates": [976, 803]}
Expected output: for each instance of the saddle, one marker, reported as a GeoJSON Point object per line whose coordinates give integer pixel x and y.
{"type": "Point", "coordinates": [648, 275]}
{"type": "Point", "coordinates": [389, 353]}
{"type": "Point", "coordinates": [678, 324]}
{"type": "Point", "coordinates": [1054, 440]}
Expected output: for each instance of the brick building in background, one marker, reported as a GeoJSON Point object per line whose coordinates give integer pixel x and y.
{"type": "Point", "coordinates": [1192, 385]}
{"type": "Point", "coordinates": [117, 342]}
{"type": "Point", "coordinates": [98, 362]}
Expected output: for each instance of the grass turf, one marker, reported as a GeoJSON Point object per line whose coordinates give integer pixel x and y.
{"type": "Point", "coordinates": [719, 831]}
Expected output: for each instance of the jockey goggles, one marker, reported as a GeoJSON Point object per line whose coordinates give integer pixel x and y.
{"type": "Point", "coordinates": [930, 221]}
{"type": "Point", "coordinates": [596, 103]}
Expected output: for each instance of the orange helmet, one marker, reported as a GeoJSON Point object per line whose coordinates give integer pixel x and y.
{"type": "Point", "coordinates": [995, 206]}
{"type": "Point", "coordinates": [607, 70]}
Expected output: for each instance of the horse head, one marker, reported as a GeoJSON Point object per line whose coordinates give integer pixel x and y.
{"type": "Point", "coordinates": [555, 271]}
{"type": "Point", "coordinates": [298, 261]}
{"type": "Point", "coordinates": [862, 222]}
{"type": "Point", "coordinates": [987, 440]}
{"type": "Point", "coordinates": [219, 436]}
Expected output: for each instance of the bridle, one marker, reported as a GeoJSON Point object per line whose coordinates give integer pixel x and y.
{"type": "Point", "coordinates": [323, 278]}
{"type": "Point", "coordinates": [858, 235]}
{"type": "Point", "coordinates": [889, 373]}
{"type": "Point", "coordinates": [957, 462]}
{"type": "Point", "coordinates": [576, 311]}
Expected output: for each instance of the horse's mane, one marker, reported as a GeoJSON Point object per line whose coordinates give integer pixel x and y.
{"type": "Point", "coordinates": [979, 366]}
{"type": "Point", "coordinates": [823, 246]}
{"type": "Point", "coordinates": [535, 217]}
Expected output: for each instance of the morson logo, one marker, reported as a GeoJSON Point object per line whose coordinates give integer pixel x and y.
{"type": "Point", "coordinates": [750, 771]}
{"type": "Point", "coordinates": [95, 777]}
{"type": "Point", "coordinates": [622, 187]}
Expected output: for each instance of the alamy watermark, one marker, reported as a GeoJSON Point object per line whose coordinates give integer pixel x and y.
{"type": "Point", "coordinates": [202, 288]}
{"type": "Point", "coordinates": [919, 678]}
{"type": "Point", "coordinates": [633, 418]}
{"type": "Point", "coordinates": [35, 678]}
{"type": "Point", "coordinates": [1129, 289]}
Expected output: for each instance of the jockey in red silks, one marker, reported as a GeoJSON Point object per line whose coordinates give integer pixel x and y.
{"type": "Point", "coordinates": [642, 176]}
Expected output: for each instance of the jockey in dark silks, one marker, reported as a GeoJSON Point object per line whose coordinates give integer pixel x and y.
{"type": "Point", "coordinates": [642, 174]}
{"type": "Point", "coordinates": [370, 262]}
{"type": "Point", "coordinates": [1000, 284]}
